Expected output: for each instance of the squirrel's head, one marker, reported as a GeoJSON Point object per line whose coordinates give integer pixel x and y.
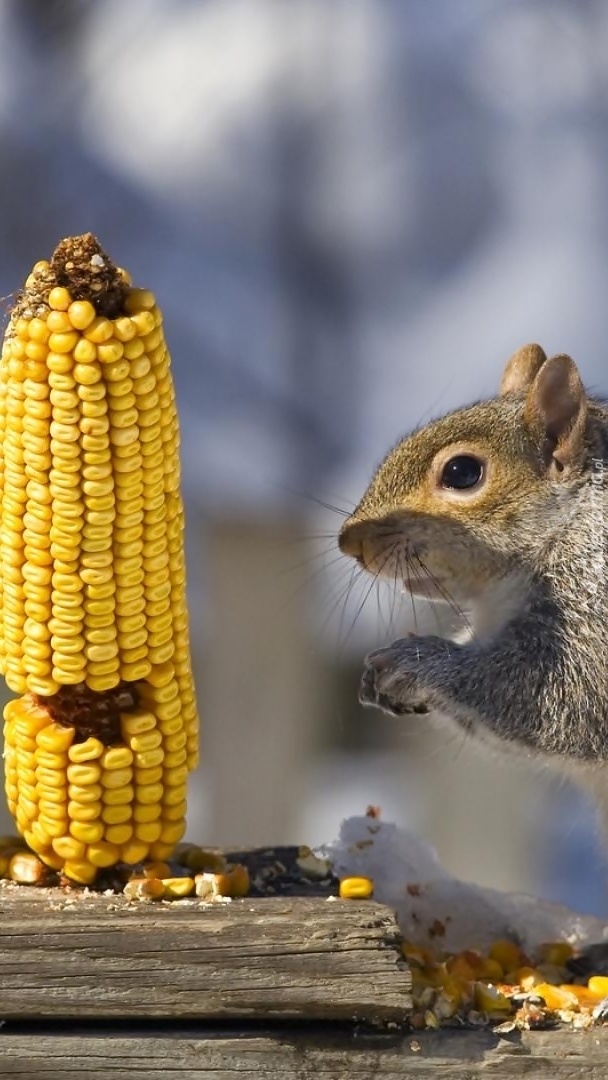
{"type": "Point", "coordinates": [466, 499]}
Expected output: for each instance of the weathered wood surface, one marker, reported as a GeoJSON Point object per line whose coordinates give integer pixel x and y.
{"type": "Point", "coordinates": [95, 987]}
{"type": "Point", "coordinates": [101, 956]}
{"type": "Point", "coordinates": [305, 1054]}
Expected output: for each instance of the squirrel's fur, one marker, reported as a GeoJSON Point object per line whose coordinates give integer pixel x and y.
{"type": "Point", "coordinates": [521, 554]}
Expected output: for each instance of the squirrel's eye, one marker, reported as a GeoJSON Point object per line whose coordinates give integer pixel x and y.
{"type": "Point", "coordinates": [461, 472]}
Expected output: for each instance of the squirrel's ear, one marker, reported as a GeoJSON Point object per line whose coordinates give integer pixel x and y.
{"type": "Point", "coordinates": [522, 368]}
{"type": "Point", "coordinates": [556, 407]}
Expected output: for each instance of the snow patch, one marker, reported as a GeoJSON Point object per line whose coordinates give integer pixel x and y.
{"type": "Point", "coordinates": [435, 908]}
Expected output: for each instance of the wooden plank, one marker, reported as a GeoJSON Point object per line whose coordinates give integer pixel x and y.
{"type": "Point", "coordinates": [290, 1054]}
{"type": "Point", "coordinates": [101, 956]}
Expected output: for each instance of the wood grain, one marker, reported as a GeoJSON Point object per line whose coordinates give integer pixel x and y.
{"type": "Point", "coordinates": [101, 956]}
{"type": "Point", "coordinates": [314, 1053]}
{"type": "Point", "coordinates": [95, 987]}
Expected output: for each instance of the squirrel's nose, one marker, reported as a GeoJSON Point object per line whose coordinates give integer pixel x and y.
{"type": "Point", "coordinates": [350, 540]}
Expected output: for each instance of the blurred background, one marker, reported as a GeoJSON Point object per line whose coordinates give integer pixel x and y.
{"type": "Point", "coordinates": [352, 212]}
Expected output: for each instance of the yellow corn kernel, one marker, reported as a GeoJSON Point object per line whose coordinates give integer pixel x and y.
{"type": "Point", "coordinates": [55, 811]}
{"type": "Point", "coordinates": [133, 672]}
{"type": "Point", "coordinates": [171, 725]}
{"type": "Point", "coordinates": [149, 831]}
{"type": "Point", "coordinates": [52, 860]}
{"type": "Point", "coordinates": [85, 793]}
{"type": "Point", "coordinates": [110, 351]}
{"type": "Point", "coordinates": [176, 771]}
{"type": "Point", "coordinates": [62, 343]}
{"type": "Point", "coordinates": [67, 847]}
{"type": "Point", "coordinates": [117, 779]}
{"type": "Point", "coordinates": [154, 869]}
{"type": "Point", "coordinates": [160, 851]}
{"type": "Point", "coordinates": [49, 778]}
{"type": "Point", "coordinates": [150, 740]}
{"type": "Point", "coordinates": [172, 832]}
{"type": "Point", "coordinates": [509, 955]}
{"type": "Point", "coordinates": [119, 796]}
{"type": "Point", "coordinates": [178, 886]}
{"type": "Point", "coordinates": [490, 1000]}
{"type": "Point", "coordinates": [57, 322]}
{"type": "Point", "coordinates": [598, 984]}
{"type": "Point", "coordinates": [139, 300]}
{"type": "Point", "coordinates": [468, 964]}
{"type": "Point", "coordinates": [88, 750]}
{"type": "Point", "coordinates": [38, 330]}
{"type": "Point", "coordinates": [103, 853]}
{"type": "Point", "coordinates": [38, 838]}
{"type": "Point", "coordinates": [159, 677]}
{"type": "Point", "coordinates": [143, 777]}
{"type": "Point", "coordinates": [133, 851]}
{"type": "Point", "coordinates": [555, 997]}
{"type": "Point", "coordinates": [491, 970]}
{"type": "Point", "coordinates": [81, 314]}
{"type": "Point", "coordinates": [233, 882]}
{"type": "Point", "coordinates": [149, 759]}
{"type": "Point", "coordinates": [173, 796]}
{"type": "Point", "coordinates": [124, 329]}
{"type": "Point", "coordinates": [59, 299]}
{"type": "Point", "coordinates": [175, 742]}
{"type": "Point", "coordinates": [198, 859]}
{"type": "Point", "coordinates": [82, 775]}
{"type": "Point", "coordinates": [102, 682]}
{"type": "Point", "coordinates": [116, 757]}
{"type": "Point", "coordinates": [585, 997]}
{"type": "Point", "coordinates": [90, 811]}
{"type": "Point", "coordinates": [89, 832]}
{"type": "Point", "coordinates": [118, 834]}
{"type": "Point", "coordinates": [53, 826]}
{"type": "Point", "coordinates": [152, 793]}
{"type": "Point", "coordinates": [147, 812]}
{"type": "Point", "coordinates": [143, 888]}
{"type": "Point", "coordinates": [26, 869]}
{"type": "Point", "coordinates": [80, 870]}
{"type": "Point", "coordinates": [49, 760]}
{"type": "Point", "coordinates": [99, 330]}
{"type": "Point", "coordinates": [555, 952]}
{"type": "Point", "coordinates": [356, 888]}
{"type": "Point", "coordinates": [116, 815]}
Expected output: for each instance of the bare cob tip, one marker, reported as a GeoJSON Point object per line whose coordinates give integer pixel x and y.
{"type": "Point", "coordinates": [80, 265]}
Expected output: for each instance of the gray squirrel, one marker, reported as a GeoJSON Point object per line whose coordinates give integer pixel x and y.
{"type": "Point", "coordinates": [501, 510]}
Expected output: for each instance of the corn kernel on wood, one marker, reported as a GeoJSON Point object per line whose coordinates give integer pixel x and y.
{"type": "Point", "coordinates": [178, 886]}
{"type": "Point", "coordinates": [450, 985]}
{"type": "Point", "coordinates": [232, 882]}
{"type": "Point", "coordinates": [93, 618]}
{"type": "Point", "coordinates": [489, 999]}
{"type": "Point", "coordinates": [356, 888]}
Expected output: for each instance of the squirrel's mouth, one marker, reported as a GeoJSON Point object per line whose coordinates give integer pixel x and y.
{"type": "Point", "coordinates": [428, 588]}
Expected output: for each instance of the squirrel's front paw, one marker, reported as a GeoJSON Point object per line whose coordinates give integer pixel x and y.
{"type": "Point", "coordinates": [397, 679]}
{"type": "Point", "coordinates": [390, 681]}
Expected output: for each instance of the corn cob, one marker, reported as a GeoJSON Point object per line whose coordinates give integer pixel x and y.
{"type": "Point", "coordinates": [93, 619]}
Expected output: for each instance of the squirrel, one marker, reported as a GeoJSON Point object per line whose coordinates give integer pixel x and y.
{"type": "Point", "coordinates": [500, 509]}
